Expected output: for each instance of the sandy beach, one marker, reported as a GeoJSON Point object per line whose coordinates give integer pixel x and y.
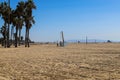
{"type": "Point", "coordinates": [72, 62]}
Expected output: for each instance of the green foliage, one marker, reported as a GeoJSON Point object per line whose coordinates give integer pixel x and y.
{"type": "Point", "coordinates": [18, 17]}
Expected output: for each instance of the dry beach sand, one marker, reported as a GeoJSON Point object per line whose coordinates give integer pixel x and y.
{"type": "Point", "coordinates": [72, 62]}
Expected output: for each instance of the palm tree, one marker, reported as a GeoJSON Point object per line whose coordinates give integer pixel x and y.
{"type": "Point", "coordinates": [16, 21]}
{"type": "Point", "coordinates": [18, 17]}
{"type": "Point", "coordinates": [20, 28]}
{"type": "Point", "coordinates": [29, 6]}
{"type": "Point", "coordinates": [8, 42]}
{"type": "Point", "coordinates": [2, 31]}
{"type": "Point", "coordinates": [9, 13]}
{"type": "Point", "coordinates": [5, 11]}
{"type": "Point", "coordinates": [12, 28]}
{"type": "Point", "coordinates": [20, 13]}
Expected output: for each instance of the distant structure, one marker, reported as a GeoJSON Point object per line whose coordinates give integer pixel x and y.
{"type": "Point", "coordinates": [108, 41]}
{"type": "Point", "coordinates": [86, 40]}
{"type": "Point", "coordinates": [62, 38]}
{"type": "Point", "coordinates": [95, 41]}
{"type": "Point", "coordinates": [78, 42]}
{"type": "Point", "coordinates": [61, 43]}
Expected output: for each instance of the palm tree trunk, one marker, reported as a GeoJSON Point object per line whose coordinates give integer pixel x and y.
{"type": "Point", "coordinates": [5, 40]}
{"type": "Point", "coordinates": [8, 42]}
{"type": "Point", "coordinates": [19, 35]}
{"type": "Point", "coordinates": [16, 40]}
{"type": "Point", "coordinates": [8, 45]}
{"type": "Point", "coordinates": [12, 31]}
{"type": "Point", "coordinates": [2, 41]}
{"type": "Point", "coordinates": [26, 38]}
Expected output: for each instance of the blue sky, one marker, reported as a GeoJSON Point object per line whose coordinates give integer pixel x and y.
{"type": "Point", "coordinates": [97, 19]}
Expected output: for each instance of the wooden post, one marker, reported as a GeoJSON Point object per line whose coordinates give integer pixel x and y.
{"type": "Point", "coordinates": [62, 38]}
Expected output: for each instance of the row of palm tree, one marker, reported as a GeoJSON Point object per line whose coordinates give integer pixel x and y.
{"type": "Point", "coordinates": [17, 18]}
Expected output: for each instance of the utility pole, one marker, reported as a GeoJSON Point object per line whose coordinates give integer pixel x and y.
{"type": "Point", "coordinates": [86, 39]}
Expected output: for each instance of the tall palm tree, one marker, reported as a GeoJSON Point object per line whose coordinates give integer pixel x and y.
{"type": "Point", "coordinates": [20, 28]}
{"type": "Point", "coordinates": [12, 16]}
{"type": "Point", "coordinates": [16, 21]}
{"type": "Point", "coordinates": [8, 36]}
{"type": "Point", "coordinates": [2, 31]}
{"type": "Point", "coordinates": [9, 10]}
{"type": "Point", "coordinates": [20, 13]}
{"type": "Point", "coordinates": [5, 11]}
{"type": "Point", "coordinates": [29, 6]}
{"type": "Point", "coordinates": [18, 17]}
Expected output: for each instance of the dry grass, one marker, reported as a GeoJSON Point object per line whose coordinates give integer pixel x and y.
{"type": "Point", "coordinates": [73, 62]}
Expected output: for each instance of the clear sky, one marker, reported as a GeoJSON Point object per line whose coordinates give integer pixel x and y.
{"type": "Point", "coordinates": [97, 19]}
